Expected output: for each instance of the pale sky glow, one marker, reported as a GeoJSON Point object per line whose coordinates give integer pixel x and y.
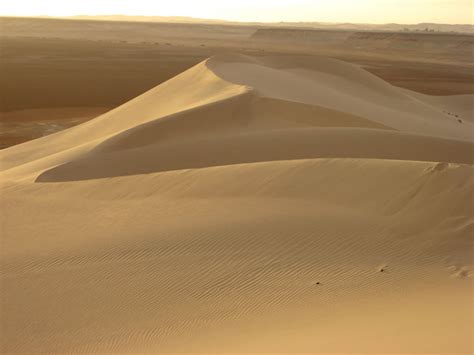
{"type": "Point", "coordinates": [367, 11]}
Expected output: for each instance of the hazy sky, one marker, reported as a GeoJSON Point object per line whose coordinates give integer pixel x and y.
{"type": "Point", "coordinates": [369, 11]}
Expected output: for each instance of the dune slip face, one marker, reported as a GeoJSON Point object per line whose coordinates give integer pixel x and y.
{"type": "Point", "coordinates": [267, 205]}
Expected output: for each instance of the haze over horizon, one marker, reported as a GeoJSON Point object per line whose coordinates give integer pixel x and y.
{"type": "Point", "coordinates": [362, 11]}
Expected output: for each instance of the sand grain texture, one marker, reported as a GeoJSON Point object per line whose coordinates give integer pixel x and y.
{"type": "Point", "coordinates": [246, 205]}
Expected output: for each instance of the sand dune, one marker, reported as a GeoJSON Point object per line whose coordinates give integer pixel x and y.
{"type": "Point", "coordinates": [246, 205]}
{"type": "Point", "coordinates": [256, 102]}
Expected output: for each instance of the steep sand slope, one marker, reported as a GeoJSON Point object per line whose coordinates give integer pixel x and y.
{"type": "Point", "coordinates": [330, 212]}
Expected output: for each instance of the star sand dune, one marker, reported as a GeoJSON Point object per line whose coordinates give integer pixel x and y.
{"type": "Point", "coordinates": [247, 205]}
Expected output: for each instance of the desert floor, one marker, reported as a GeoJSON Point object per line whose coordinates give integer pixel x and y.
{"type": "Point", "coordinates": [260, 197]}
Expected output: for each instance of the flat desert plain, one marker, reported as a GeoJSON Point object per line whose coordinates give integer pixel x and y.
{"type": "Point", "coordinates": [234, 189]}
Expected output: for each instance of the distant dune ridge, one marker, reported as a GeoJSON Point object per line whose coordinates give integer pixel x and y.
{"type": "Point", "coordinates": [246, 205]}
{"type": "Point", "coordinates": [423, 27]}
{"type": "Point", "coordinates": [460, 44]}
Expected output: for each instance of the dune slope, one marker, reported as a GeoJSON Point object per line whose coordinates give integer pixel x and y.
{"type": "Point", "coordinates": [244, 101]}
{"type": "Point", "coordinates": [245, 206]}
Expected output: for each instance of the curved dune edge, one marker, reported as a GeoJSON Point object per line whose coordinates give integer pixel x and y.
{"type": "Point", "coordinates": [260, 147]}
{"type": "Point", "coordinates": [245, 206]}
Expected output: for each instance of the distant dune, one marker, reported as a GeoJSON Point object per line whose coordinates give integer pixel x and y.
{"type": "Point", "coordinates": [419, 27]}
{"type": "Point", "coordinates": [165, 19]}
{"type": "Point", "coordinates": [268, 204]}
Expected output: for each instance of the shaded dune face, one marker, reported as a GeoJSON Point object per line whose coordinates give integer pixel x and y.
{"type": "Point", "coordinates": [259, 147]}
{"type": "Point", "coordinates": [245, 206]}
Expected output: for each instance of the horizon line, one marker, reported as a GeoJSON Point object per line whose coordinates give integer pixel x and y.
{"type": "Point", "coordinates": [236, 21]}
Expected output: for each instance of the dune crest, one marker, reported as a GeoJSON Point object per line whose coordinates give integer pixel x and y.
{"type": "Point", "coordinates": [231, 101]}
{"type": "Point", "coordinates": [246, 205]}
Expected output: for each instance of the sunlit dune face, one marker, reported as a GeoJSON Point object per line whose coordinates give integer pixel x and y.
{"type": "Point", "coordinates": [368, 11]}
